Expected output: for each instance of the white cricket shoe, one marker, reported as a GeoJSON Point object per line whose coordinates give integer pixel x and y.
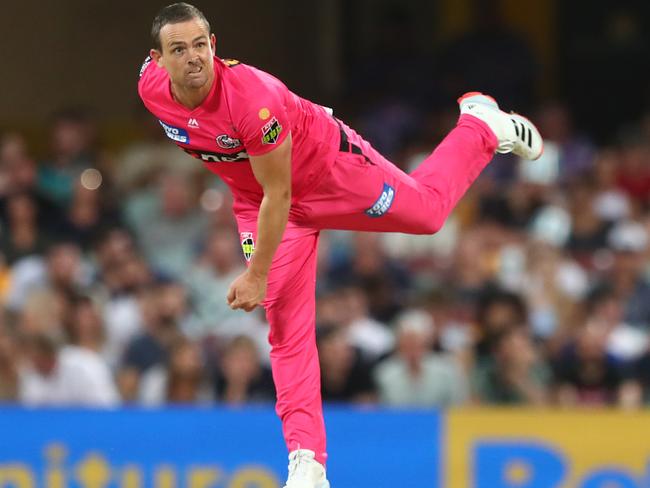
{"type": "Point", "coordinates": [515, 133]}
{"type": "Point", "coordinates": [305, 471]}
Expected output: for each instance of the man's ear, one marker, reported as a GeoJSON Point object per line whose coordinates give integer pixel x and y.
{"type": "Point", "coordinates": [156, 56]}
{"type": "Point", "coordinates": [213, 43]}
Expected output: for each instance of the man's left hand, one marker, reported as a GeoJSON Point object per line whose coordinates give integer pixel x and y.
{"type": "Point", "coordinates": [247, 291]}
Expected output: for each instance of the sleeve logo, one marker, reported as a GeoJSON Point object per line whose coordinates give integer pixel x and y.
{"type": "Point", "coordinates": [271, 131]}
{"type": "Point", "coordinates": [247, 244]}
{"type": "Point", "coordinates": [383, 203]}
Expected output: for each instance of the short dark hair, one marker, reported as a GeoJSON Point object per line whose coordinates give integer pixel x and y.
{"type": "Point", "coordinates": [174, 14]}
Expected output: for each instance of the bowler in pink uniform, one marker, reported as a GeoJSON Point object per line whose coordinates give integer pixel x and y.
{"type": "Point", "coordinates": [294, 169]}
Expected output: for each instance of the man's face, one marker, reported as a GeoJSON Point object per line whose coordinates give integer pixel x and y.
{"type": "Point", "coordinates": [187, 53]}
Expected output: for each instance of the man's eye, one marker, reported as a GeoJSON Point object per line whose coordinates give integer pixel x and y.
{"type": "Point", "coordinates": [200, 44]}
{"type": "Point", "coordinates": [178, 50]}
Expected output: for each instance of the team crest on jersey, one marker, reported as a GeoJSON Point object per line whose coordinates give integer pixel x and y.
{"type": "Point", "coordinates": [176, 134]}
{"type": "Point", "coordinates": [383, 203]}
{"type": "Point", "coordinates": [247, 244]}
{"type": "Point", "coordinates": [271, 131]}
{"type": "Point", "coordinates": [226, 142]}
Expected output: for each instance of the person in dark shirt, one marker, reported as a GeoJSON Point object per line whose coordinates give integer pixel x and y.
{"type": "Point", "coordinates": [241, 378]}
{"type": "Point", "coordinates": [345, 376]}
{"type": "Point", "coordinates": [586, 374]}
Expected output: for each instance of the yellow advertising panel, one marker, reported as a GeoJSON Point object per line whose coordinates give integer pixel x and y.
{"type": "Point", "coordinates": [516, 448]}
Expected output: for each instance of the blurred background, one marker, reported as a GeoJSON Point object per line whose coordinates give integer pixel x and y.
{"type": "Point", "coordinates": [116, 249]}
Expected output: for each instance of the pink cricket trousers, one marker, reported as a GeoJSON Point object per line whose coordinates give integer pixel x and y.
{"type": "Point", "coordinates": [363, 192]}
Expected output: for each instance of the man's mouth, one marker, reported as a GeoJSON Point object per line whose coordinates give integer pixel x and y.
{"type": "Point", "coordinates": [195, 71]}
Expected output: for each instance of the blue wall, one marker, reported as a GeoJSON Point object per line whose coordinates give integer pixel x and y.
{"type": "Point", "coordinates": [210, 448]}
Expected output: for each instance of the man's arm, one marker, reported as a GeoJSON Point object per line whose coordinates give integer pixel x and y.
{"type": "Point", "coordinates": [273, 172]}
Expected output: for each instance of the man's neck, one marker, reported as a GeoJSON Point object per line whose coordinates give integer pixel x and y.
{"type": "Point", "coordinates": [191, 97]}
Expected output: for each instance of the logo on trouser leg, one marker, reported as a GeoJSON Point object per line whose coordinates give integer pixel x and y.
{"type": "Point", "coordinates": [383, 203]}
{"type": "Point", "coordinates": [247, 244]}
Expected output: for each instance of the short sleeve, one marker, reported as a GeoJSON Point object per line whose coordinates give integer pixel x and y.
{"type": "Point", "coordinates": [261, 117]}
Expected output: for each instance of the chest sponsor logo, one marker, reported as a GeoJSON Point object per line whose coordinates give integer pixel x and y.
{"type": "Point", "coordinates": [193, 123]}
{"type": "Point", "coordinates": [176, 134]}
{"type": "Point", "coordinates": [214, 157]}
{"type": "Point", "coordinates": [383, 203]}
{"type": "Point", "coordinates": [247, 245]}
{"type": "Point", "coordinates": [271, 131]}
{"type": "Point", "coordinates": [226, 142]}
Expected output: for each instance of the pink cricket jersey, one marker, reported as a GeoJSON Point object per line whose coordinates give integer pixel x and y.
{"type": "Point", "coordinates": [247, 112]}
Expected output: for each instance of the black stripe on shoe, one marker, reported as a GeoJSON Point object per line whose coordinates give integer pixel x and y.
{"type": "Point", "coordinates": [516, 126]}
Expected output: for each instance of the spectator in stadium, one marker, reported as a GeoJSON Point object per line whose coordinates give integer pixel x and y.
{"type": "Point", "coordinates": [629, 242]}
{"type": "Point", "coordinates": [576, 152]}
{"type": "Point", "coordinates": [611, 203]}
{"type": "Point", "coordinates": [208, 280]}
{"type": "Point", "coordinates": [182, 380]}
{"type": "Point", "coordinates": [44, 312]}
{"type": "Point", "coordinates": [385, 280]}
{"type": "Point", "coordinates": [55, 375]}
{"type": "Point", "coordinates": [588, 229]}
{"type": "Point", "coordinates": [119, 275]}
{"type": "Point", "coordinates": [22, 234]}
{"type": "Point", "coordinates": [61, 269]}
{"type": "Point", "coordinates": [633, 175]}
{"type": "Point", "coordinates": [475, 262]}
{"type": "Point", "coordinates": [552, 286]}
{"type": "Point", "coordinates": [65, 268]}
{"type": "Point", "coordinates": [497, 311]}
{"type": "Point", "coordinates": [514, 374]}
{"type": "Point", "coordinates": [84, 325]}
{"type": "Point", "coordinates": [624, 342]}
{"type": "Point", "coordinates": [8, 365]}
{"type": "Point", "coordinates": [345, 375]}
{"type": "Point", "coordinates": [373, 338]}
{"type": "Point", "coordinates": [18, 175]}
{"type": "Point", "coordinates": [163, 307]}
{"type": "Point", "coordinates": [168, 223]}
{"type": "Point", "coordinates": [89, 213]}
{"type": "Point", "coordinates": [241, 378]}
{"type": "Point", "coordinates": [585, 374]}
{"type": "Point", "coordinates": [415, 376]}
{"type": "Point", "coordinates": [73, 149]}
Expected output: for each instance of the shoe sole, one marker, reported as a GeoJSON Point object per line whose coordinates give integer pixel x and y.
{"type": "Point", "coordinates": [475, 94]}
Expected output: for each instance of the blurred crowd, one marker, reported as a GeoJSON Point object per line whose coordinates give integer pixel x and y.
{"type": "Point", "coordinates": [114, 270]}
